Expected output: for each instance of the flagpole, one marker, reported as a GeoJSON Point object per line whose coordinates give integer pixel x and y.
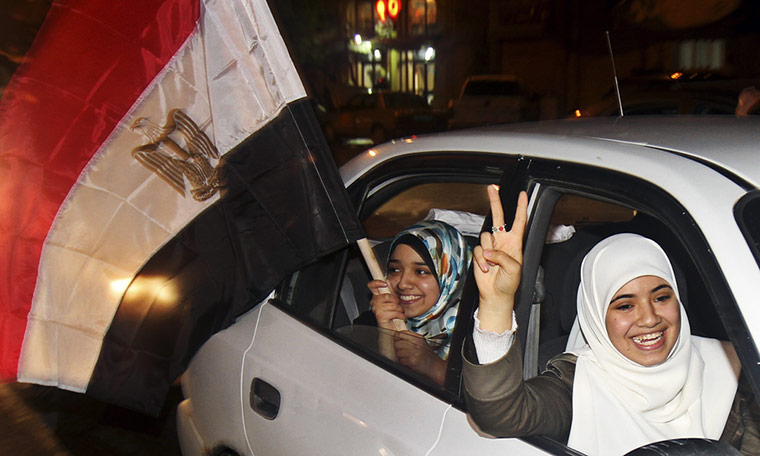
{"type": "Point", "coordinates": [377, 274]}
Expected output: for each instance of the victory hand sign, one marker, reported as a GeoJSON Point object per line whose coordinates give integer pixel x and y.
{"type": "Point", "coordinates": [498, 261]}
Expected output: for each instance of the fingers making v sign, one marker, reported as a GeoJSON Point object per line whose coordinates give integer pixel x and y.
{"type": "Point", "coordinates": [498, 261]}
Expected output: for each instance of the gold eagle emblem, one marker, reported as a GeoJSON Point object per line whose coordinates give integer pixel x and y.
{"type": "Point", "coordinates": [165, 157]}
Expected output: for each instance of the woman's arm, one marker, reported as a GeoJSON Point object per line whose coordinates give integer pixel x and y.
{"type": "Point", "coordinates": [503, 405]}
{"type": "Point", "coordinates": [497, 398]}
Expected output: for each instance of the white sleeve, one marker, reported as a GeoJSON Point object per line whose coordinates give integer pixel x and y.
{"type": "Point", "coordinates": [491, 346]}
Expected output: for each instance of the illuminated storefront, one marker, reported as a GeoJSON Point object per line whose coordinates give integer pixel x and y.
{"type": "Point", "coordinates": [391, 44]}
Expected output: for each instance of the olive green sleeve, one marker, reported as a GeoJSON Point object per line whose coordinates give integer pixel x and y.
{"type": "Point", "coordinates": [503, 405]}
{"type": "Point", "coordinates": [742, 430]}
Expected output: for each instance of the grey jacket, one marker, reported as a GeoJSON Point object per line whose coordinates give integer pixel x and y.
{"type": "Point", "coordinates": [503, 405]}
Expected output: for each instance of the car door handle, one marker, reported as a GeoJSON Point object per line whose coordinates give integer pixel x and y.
{"type": "Point", "coordinates": [265, 399]}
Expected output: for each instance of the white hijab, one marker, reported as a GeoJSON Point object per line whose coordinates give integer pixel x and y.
{"type": "Point", "coordinates": [619, 405]}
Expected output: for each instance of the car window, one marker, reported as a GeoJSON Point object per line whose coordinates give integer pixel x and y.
{"type": "Point", "coordinates": [331, 295]}
{"type": "Point", "coordinates": [576, 224]}
{"type": "Point", "coordinates": [592, 218]}
{"type": "Point", "coordinates": [452, 201]}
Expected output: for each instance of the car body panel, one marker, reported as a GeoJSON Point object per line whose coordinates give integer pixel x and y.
{"type": "Point", "coordinates": [213, 384]}
{"type": "Point", "coordinates": [342, 396]}
{"type": "Point", "coordinates": [369, 410]}
{"type": "Point", "coordinates": [191, 441]}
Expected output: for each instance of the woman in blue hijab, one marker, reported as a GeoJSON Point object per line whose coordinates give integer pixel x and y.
{"type": "Point", "coordinates": [427, 267]}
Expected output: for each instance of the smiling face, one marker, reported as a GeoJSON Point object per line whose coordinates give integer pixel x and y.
{"type": "Point", "coordinates": [644, 319]}
{"type": "Point", "coordinates": [411, 279]}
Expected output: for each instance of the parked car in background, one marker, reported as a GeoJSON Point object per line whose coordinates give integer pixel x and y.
{"type": "Point", "coordinates": [294, 376]}
{"type": "Point", "coordinates": [381, 115]}
{"type": "Point", "coordinates": [663, 95]}
{"type": "Point", "coordinates": [488, 99]}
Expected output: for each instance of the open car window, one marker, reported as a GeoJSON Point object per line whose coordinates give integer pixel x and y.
{"type": "Point", "coordinates": [461, 204]}
{"type": "Point", "coordinates": [578, 222]}
{"type": "Point", "coordinates": [568, 218]}
{"type": "Point", "coordinates": [332, 294]}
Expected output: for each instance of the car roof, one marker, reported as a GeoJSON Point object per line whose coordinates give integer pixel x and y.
{"type": "Point", "coordinates": [729, 144]}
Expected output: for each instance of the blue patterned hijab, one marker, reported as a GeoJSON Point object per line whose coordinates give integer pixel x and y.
{"type": "Point", "coordinates": [447, 252]}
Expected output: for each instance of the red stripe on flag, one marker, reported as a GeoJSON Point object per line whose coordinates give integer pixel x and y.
{"type": "Point", "coordinates": [90, 62]}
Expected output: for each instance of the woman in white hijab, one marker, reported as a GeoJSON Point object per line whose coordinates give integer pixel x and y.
{"type": "Point", "coordinates": [638, 376]}
{"type": "Point", "coordinates": [641, 369]}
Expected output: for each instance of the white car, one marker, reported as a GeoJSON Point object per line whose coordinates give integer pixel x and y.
{"type": "Point", "coordinates": [488, 99]}
{"type": "Point", "coordinates": [293, 377]}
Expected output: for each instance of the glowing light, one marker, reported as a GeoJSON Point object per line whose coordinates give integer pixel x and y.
{"type": "Point", "coordinates": [429, 54]}
{"type": "Point", "coordinates": [380, 8]}
{"type": "Point", "coordinates": [120, 285]}
{"type": "Point", "coordinates": [577, 113]}
{"type": "Point", "coordinates": [372, 152]}
{"type": "Point", "coordinates": [408, 140]}
{"type": "Point", "coordinates": [156, 288]}
{"type": "Point", "coordinates": [676, 75]}
{"type": "Point", "coordinates": [358, 39]}
{"type": "Point", "coordinates": [377, 54]}
{"type": "Point", "coordinates": [394, 6]}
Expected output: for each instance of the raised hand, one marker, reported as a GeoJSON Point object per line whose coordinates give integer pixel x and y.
{"type": "Point", "coordinates": [498, 261]}
{"type": "Point", "coordinates": [385, 306]}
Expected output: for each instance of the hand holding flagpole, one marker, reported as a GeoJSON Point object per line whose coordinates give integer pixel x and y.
{"type": "Point", "coordinates": [377, 274]}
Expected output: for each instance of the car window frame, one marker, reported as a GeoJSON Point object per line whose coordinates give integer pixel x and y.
{"type": "Point", "coordinates": [400, 173]}
{"type": "Point", "coordinates": [377, 185]}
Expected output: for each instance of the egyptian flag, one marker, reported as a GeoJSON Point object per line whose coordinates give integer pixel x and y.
{"type": "Point", "coordinates": [161, 170]}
